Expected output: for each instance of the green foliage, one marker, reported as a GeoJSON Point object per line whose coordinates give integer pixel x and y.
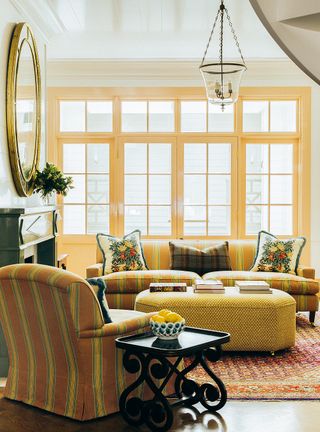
{"type": "Point", "coordinates": [50, 180]}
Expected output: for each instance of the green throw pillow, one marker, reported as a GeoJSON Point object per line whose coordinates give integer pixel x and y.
{"type": "Point", "coordinates": [99, 287]}
{"type": "Point", "coordinates": [277, 255]}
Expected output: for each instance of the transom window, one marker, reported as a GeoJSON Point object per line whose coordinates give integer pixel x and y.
{"type": "Point", "coordinates": [86, 116]}
{"type": "Point", "coordinates": [200, 116]}
{"type": "Point", "coordinates": [180, 167]}
{"type": "Point", "coordinates": [269, 116]}
{"type": "Point", "coordinates": [147, 116]}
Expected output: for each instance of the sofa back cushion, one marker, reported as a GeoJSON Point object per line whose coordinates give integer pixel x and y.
{"type": "Point", "coordinates": [157, 252]}
{"type": "Point", "coordinates": [186, 257]}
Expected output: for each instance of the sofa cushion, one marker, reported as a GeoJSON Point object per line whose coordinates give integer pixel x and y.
{"type": "Point", "coordinates": [277, 255]}
{"type": "Point", "coordinates": [289, 283]}
{"type": "Point", "coordinates": [190, 258]}
{"type": "Point", "coordinates": [137, 281]}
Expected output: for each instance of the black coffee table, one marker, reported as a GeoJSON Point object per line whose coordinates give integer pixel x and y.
{"type": "Point", "coordinates": [149, 357]}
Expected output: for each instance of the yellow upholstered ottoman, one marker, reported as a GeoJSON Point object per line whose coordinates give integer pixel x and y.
{"type": "Point", "coordinates": [256, 322]}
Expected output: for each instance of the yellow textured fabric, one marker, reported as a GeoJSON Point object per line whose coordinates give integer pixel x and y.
{"type": "Point", "coordinates": [256, 322]}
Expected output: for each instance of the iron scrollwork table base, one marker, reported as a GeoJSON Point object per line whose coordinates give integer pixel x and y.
{"type": "Point", "coordinates": [156, 363]}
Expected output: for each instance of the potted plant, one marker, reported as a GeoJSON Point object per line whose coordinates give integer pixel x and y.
{"type": "Point", "coordinates": [51, 180]}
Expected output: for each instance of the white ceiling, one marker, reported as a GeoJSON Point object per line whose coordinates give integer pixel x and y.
{"type": "Point", "coordinates": [146, 29]}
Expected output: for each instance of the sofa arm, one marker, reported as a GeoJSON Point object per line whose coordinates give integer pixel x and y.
{"type": "Point", "coordinates": [94, 270]}
{"type": "Point", "coordinates": [306, 272]}
{"type": "Point", "coordinates": [124, 327]}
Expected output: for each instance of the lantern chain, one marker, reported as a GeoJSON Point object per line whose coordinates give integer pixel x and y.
{"type": "Point", "coordinates": [234, 35]}
{"type": "Point", "coordinates": [220, 12]}
{"type": "Point", "coordinates": [222, 8]}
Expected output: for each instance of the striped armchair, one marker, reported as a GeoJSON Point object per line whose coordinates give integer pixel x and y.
{"type": "Point", "coordinates": [62, 357]}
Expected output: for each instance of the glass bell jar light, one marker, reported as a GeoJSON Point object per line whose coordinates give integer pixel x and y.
{"type": "Point", "coordinates": [222, 78]}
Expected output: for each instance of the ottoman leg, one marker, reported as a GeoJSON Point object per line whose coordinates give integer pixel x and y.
{"type": "Point", "coordinates": [312, 316]}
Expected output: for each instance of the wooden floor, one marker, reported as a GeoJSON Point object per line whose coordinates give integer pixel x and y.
{"type": "Point", "coordinates": [248, 416]}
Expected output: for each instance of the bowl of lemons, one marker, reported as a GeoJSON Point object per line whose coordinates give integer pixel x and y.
{"type": "Point", "coordinates": [166, 324]}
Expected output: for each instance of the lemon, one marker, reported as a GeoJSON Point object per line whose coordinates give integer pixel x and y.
{"type": "Point", "coordinates": [173, 317]}
{"type": "Point", "coordinates": [164, 312]}
{"type": "Point", "coordinates": [158, 319]}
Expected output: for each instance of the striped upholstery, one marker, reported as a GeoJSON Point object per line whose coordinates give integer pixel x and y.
{"type": "Point", "coordinates": [62, 356]}
{"type": "Point", "coordinates": [242, 254]}
{"type": "Point", "coordinates": [122, 287]}
{"type": "Point", "coordinates": [137, 281]}
{"type": "Point", "coordinates": [157, 253]}
{"type": "Point", "coordinates": [306, 302]}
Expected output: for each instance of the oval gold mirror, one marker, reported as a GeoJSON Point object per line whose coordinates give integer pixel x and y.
{"type": "Point", "coordinates": [23, 108]}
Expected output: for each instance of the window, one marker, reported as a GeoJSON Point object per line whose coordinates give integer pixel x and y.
{"type": "Point", "coordinates": [147, 116]}
{"type": "Point", "coordinates": [269, 188]}
{"type": "Point", "coordinates": [167, 162]}
{"type": "Point", "coordinates": [86, 207]}
{"type": "Point", "coordinates": [255, 116]}
{"type": "Point", "coordinates": [201, 116]}
{"type": "Point", "coordinates": [207, 189]}
{"type": "Point", "coordinates": [86, 116]}
{"type": "Point", "coordinates": [193, 116]}
{"type": "Point", "coordinates": [283, 116]}
{"type": "Point", "coordinates": [269, 116]}
{"type": "Point", "coordinates": [147, 188]}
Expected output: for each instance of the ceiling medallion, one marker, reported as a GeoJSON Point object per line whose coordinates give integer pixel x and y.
{"type": "Point", "coordinates": [222, 79]}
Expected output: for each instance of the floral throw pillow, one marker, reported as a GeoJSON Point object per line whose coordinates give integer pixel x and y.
{"type": "Point", "coordinates": [121, 254]}
{"type": "Point", "coordinates": [277, 255]}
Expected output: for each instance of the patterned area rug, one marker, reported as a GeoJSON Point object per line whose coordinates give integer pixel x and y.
{"type": "Point", "coordinates": [290, 375]}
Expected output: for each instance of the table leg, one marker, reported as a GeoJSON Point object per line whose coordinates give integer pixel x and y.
{"type": "Point", "coordinates": [157, 413]}
{"type": "Point", "coordinates": [212, 396]}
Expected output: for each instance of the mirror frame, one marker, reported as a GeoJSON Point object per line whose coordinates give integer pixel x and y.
{"type": "Point", "coordinates": [23, 185]}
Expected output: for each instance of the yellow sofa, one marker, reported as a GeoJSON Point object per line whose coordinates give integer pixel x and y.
{"type": "Point", "coordinates": [123, 287]}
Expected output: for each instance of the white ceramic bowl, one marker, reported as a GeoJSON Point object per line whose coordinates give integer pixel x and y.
{"type": "Point", "coordinates": [168, 330]}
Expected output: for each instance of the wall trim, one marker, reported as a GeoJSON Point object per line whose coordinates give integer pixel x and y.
{"type": "Point", "coordinates": [91, 73]}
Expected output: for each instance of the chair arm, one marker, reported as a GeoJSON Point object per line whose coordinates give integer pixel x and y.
{"type": "Point", "coordinates": [94, 270]}
{"type": "Point", "coordinates": [306, 272]}
{"type": "Point", "coordinates": [121, 328]}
